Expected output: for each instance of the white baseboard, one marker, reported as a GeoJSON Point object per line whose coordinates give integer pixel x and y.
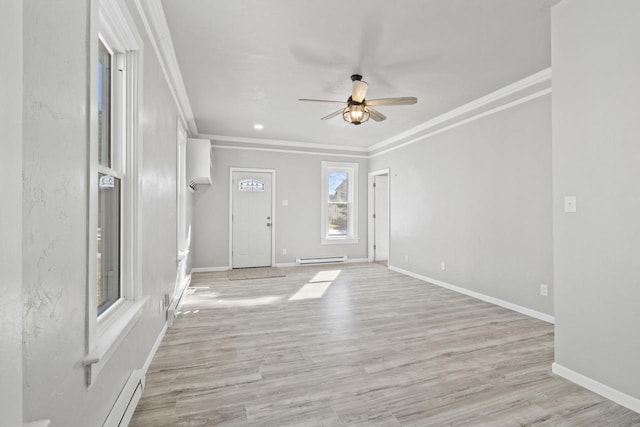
{"type": "Point", "coordinates": [208, 269]}
{"type": "Point", "coordinates": [41, 423]}
{"type": "Point", "coordinates": [597, 387]}
{"type": "Point", "coordinates": [152, 353]}
{"type": "Point", "coordinates": [524, 310]}
{"type": "Point", "coordinates": [349, 260]}
{"type": "Point", "coordinates": [285, 264]}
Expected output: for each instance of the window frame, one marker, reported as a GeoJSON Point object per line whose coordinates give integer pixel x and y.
{"type": "Point", "coordinates": [352, 202]}
{"type": "Point", "coordinates": [104, 332]}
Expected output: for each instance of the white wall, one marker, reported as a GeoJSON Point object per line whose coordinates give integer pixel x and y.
{"type": "Point", "coordinates": [596, 157]}
{"type": "Point", "coordinates": [297, 225]}
{"type": "Point", "coordinates": [11, 215]}
{"type": "Point", "coordinates": [478, 197]}
{"type": "Point", "coordinates": [57, 54]}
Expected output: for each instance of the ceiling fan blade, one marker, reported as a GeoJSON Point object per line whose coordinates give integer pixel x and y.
{"type": "Point", "coordinates": [322, 100]}
{"type": "Point", "coordinates": [359, 90]}
{"type": "Point", "coordinates": [335, 113]}
{"type": "Point", "coordinates": [406, 100]}
{"type": "Point", "coordinates": [375, 114]}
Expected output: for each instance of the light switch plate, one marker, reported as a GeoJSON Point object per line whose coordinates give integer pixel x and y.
{"type": "Point", "coordinates": [570, 204]}
{"type": "Point", "coordinates": [285, 203]}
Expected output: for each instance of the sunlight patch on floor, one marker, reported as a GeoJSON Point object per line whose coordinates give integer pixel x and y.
{"type": "Point", "coordinates": [325, 276]}
{"type": "Point", "coordinates": [311, 291]}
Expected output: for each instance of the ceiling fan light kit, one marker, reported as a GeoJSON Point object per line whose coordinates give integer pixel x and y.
{"type": "Point", "coordinates": [355, 114]}
{"type": "Point", "coordinates": [358, 109]}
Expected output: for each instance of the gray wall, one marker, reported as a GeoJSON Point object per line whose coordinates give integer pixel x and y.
{"type": "Point", "coordinates": [11, 216]}
{"type": "Point", "coordinates": [55, 212]}
{"type": "Point", "coordinates": [596, 157]}
{"type": "Point", "coordinates": [297, 225]}
{"type": "Point", "coordinates": [479, 198]}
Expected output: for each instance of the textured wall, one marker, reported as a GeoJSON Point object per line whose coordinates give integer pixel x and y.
{"type": "Point", "coordinates": [596, 157]}
{"type": "Point", "coordinates": [11, 216]}
{"type": "Point", "coordinates": [297, 225]}
{"type": "Point", "coordinates": [58, 45]}
{"type": "Point", "coordinates": [478, 197]}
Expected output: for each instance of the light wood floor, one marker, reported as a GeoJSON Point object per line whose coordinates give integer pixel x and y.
{"type": "Point", "coordinates": [377, 349]}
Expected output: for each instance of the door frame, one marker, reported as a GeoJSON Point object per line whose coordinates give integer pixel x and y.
{"type": "Point", "coordinates": [371, 208]}
{"type": "Point", "coordinates": [273, 210]}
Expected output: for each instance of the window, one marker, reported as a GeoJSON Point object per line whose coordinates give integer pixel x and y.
{"type": "Point", "coordinates": [108, 283]}
{"type": "Point", "coordinates": [250, 185]}
{"type": "Point", "coordinates": [339, 202]}
{"type": "Point", "coordinates": [114, 303]}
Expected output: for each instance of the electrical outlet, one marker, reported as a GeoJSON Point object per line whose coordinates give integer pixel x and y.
{"type": "Point", "coordinates": [544, 290]}
{"type": "Point", "coordinates": [284, 251]}
{"type": "Point", "coordinates": [443, 266]}
{"type": "Point", "coordinates": [406, 258]}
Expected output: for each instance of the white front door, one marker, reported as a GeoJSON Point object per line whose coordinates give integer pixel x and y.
{"type": "Point", "coordinates": [381, 221]}
{"type": "Point", "coordinates": [251, 219]}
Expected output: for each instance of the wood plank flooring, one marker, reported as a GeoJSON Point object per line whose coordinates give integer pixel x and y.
{"type": "Point", "coordinates": [369, 347]}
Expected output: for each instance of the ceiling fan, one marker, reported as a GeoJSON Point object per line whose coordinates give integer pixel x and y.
{"type": "Point", "coordinates": [358, 110]}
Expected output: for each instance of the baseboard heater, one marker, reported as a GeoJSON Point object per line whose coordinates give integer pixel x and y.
{"type": "Point", "coordinates": [321, 259]}
{"type": "Point", "coordinates": [125, 405]}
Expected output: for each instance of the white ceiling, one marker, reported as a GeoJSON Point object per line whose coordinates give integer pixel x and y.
{"type": "Point", "coordinates": [248, 61]}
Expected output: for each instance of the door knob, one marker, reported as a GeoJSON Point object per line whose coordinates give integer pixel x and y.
{"type": "Point", "coordinates": [268, 224]}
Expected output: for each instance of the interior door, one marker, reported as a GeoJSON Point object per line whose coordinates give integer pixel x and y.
{"type": "Point", "coordinates": [381, 221]}
{"type": "Point", "coordinates": [251, 220]}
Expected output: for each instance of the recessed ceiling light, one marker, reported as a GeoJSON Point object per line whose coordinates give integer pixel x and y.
{"type": "Point", "coordinates": [258, 126]}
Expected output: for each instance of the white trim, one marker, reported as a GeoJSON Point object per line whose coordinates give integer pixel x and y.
{"type": "Point", "coordinates": [612, 394]}
{"type": "Point", "coordinates": [283, 143]}
{"type": "Point", "coordinates": [41, 423]}
{"type": "Point", "coordinates": [356, 260]}
{"type": "Point", "coordinates": [117, 25]}
{"type": "Point", "coordinates": [534, 79]}
{"type": "Point", "coordinates": [353, 174]}
{"type": "Point", "coordinates": [111, 336]}
{"type": "Point", "coordinates": [209, 269]}
{"type": "Point", "coordinates": [277, 150]}
{"type": "Point", "coordinates": [477, 295]}
{"type": "Point", "coordinates": [286, 264]}
{"type": "Point", "coordinates": [467, 120]}
{"type": "Point", "coordinates": [106, 332]}
{"type": "Point", "coordinates": [122, 410]}
{"type": "Point", "coordinates": [129, 396]}
{"type": "Point", "coordinates": [339, 241]}
{"type": "Point", "coordinates": [181, 184]}
{"type": "Point", "coordinates": [155, 23]}
{"type": "Point", "coordinates": [273, 209]}
{"type": "Point", "coordinates": [371, 155]}
{"type": "Point", "coordinates": [154, 349]}
{"type": "Point", "coordinates": [371, 208]}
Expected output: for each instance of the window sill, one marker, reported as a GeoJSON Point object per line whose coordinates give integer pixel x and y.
{"type": "Point", "coordinates": [110, 335]}
{"type": "Point", "coordinates": [339, 241]}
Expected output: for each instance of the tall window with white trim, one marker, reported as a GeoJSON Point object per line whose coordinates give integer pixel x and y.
{"type": "Point", "coordinates": [114, 301]}
{"type": "Point", "coordinates": [110, 176]}
{"type": "Point", "coordinates": [339, 202]}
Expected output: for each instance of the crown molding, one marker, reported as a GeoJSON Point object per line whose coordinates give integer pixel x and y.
{"type": "Point", "coordinates": [305, 152]}
{"type": "Point", "coordinates": [466, 120]}
{"type": "Point", "coordinates": [426, 130]}
{"type": "Point", "coordinates": [283, 143]}
{"type": "Point", "coordinates": [155, 23]}
{"type": "Point", "coordinates": [154, 20]}
{"type": "Point", "coordinates": [116, 23]}
{"type": "Point", "coordinates": [513, 88]}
